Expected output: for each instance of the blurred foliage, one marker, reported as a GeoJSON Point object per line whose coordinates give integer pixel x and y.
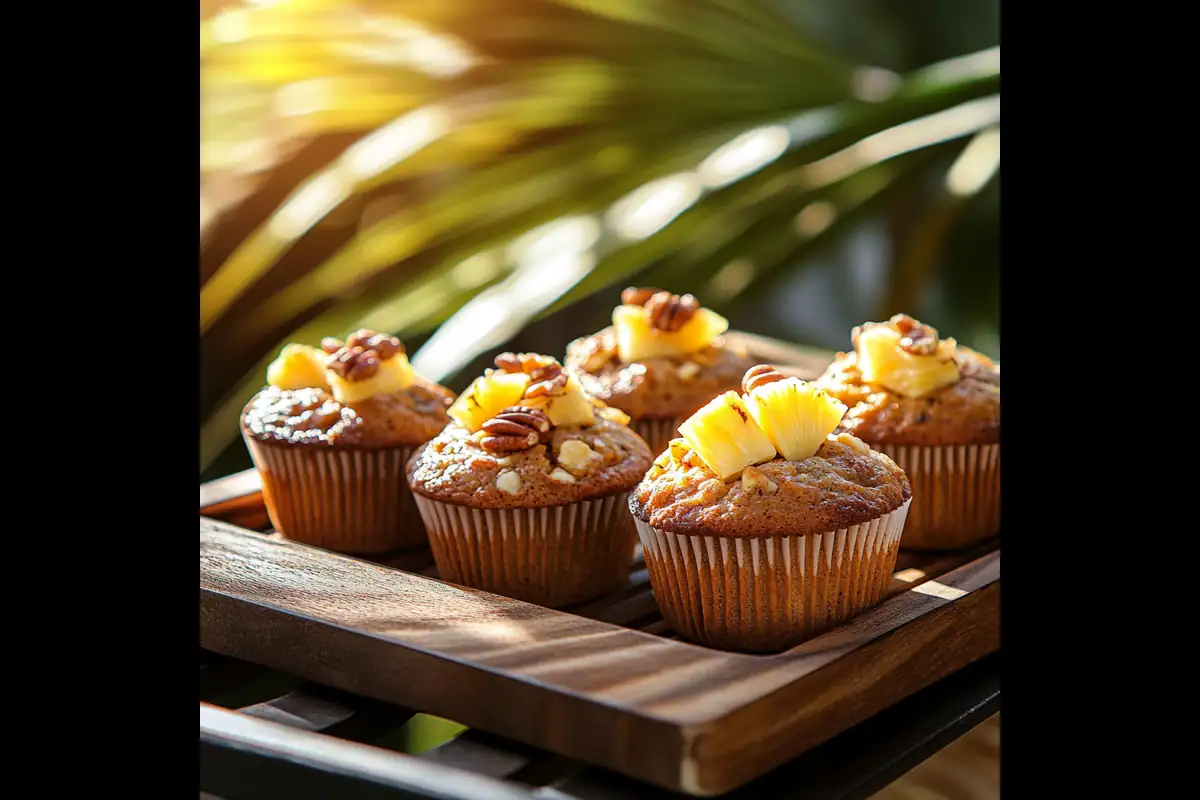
{"type": "Point", "coordinates": [474, 173]}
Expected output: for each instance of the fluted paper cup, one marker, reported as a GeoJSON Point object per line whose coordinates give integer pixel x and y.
{"type": "Point", "coordinates": [956, 494]}
{"type": "Point", "coordinates": [552, 556]}
{"type": "Point", "coordinates": [349, 500]}
{"type": "Point", "coordinates": [657, 432]}
{"type": "Point", "coordinates": [769, 593]}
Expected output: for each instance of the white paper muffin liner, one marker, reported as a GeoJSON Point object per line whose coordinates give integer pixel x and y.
{"type": "Point", "coordinates": [769, 593]}
{"type": "Point", "coordinates": [657, 432]}
{"type": "Point", "coordinates": [352, 501]}
{"type": "Point", "coordinates": [552, 556]}
{"type": "Point", "coordinates": [956, 494]}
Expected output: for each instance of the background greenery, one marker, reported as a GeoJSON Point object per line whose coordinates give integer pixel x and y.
{"type": "Point", "coordinates": [501, 168]}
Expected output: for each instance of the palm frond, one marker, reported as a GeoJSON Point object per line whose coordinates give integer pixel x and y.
{"type": "Point", "coordinates": [533, 152]}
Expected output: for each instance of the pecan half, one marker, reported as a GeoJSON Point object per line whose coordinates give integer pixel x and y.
{"type": "Point", "coordinates": [382, 343]}
{"type": "Point", "coordinates": [354, 363]}
{"type": "Point", "coordinates": [760, 375]}
{"type": "Point", "coordinates": [634, 296]}
{"type": "Point", "coordinates": [670, 312]}
{"type": "Point", "coordinates": [331, 345]}
{"type": "Point", "coordinates": [513, 429]}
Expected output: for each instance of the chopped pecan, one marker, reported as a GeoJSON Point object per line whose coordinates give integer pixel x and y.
{"type": "Point", "coordinates": [670, 312]}
{"type": "Point", "coordinates": [633, 296]}
{"type": "Point", "coordinates": [916, 338]}
{"type": "Point", "coordinates": [513, 429]}
{"type": "Point", "coordinates": [354, 363]}
{"type": "Point", "coordinates": [331, 345]}
{"type": "Point", "coordinates": [384, 344]}
{"type": "Point", "coordinates": [760, 375]}
{"type": "Point", "coordinates": [546, 375]}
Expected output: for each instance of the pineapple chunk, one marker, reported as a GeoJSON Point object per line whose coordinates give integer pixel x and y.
{"type": "Point", "coordinates": [487, 396]}
{"type": "Point", "coordinates": [572, 407]}
{"type": "Point", "coordinates": [394, 375]}
{"type": "Point", "coordinates": [881, 361]}
{"type": "Point", "coordinates": [726, 437]}
{"type": "Point", "coordinates": [637, 340]}
{"type": "Point", "coordinates": [298, 367]}
{"type": "Point", "coordinates": [796, 416]}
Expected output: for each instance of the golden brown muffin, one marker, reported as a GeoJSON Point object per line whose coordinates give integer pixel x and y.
{"type": "Point", "coordinates": [762, 529]}
{"type": "Point", "coordinates": [331, 435]}
{"type": "Point", "coordinates": [934, 407]}
{"type": "Point", "coordinates": [525, 493]}
{"type": "Point", "coordinates": [673, 362]}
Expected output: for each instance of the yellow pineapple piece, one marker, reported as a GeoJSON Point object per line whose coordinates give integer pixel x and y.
{"type": "Point", "coordinates": [572, 407]}
{"type": "Point", "coordinates": [882, 362]}
{"type": "Point", "coordinates": [487, 396]}
{"type": "Point", "coordinates": [796, 416]}
{"type": "Point", "coordinates": [725, 436]}
{"type": "Point", "coordinates": [298, 367]}
{"type": "Point", "coordinates": [638, 340]}
{"type": "Point", "coordinates": [394, 375]}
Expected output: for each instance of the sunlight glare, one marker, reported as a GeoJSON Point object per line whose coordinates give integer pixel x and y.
{"type": "Point", "coordinates": [396, 141]}
{"type": "Point", "coordinates": [733, 278]}
{"type": "Point", "coordinates": [307, 206]}
{"type": "Point", "coordinates": [906, 137]}
{"type": "Point", "coordinates": [814, 218]}
{"type": "Point", "coordinates": [651, 206]}
{"type": "Point", "coordinates": [976, 165]}
{"type": "Point", "coordinates": [746, 153]}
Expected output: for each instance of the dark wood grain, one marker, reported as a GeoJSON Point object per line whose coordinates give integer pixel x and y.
{"type": "Point", "coordinates": [666, 711]}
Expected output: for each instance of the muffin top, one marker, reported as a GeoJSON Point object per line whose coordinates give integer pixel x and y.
{"type": "Point", "coordinates": [935, 392]}
{"type": "Point", "coordinates": [526, 436]}
{"type": "Point", "coordinates": [844, 483]}
{"type": "Point", "coordinates": [766, 464]}
{"type": "Point", "coordinates": [663, 356]}
{"type": "Point", "coordinates": [361, 393]}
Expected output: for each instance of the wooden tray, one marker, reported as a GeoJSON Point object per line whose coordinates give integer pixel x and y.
{"type": "Point", "coordinates": [605, 682]}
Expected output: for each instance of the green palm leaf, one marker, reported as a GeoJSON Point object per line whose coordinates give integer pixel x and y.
{"type": "Point", "coordinates": [534, 152]}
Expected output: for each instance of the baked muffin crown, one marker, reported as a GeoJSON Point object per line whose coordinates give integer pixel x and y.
{"type": "Point", "coordinates": [951, 394]}
{"type": "Point", "coordinates": [765, 463]}
{"type": "Point", "coordinates": [525, 435]}
{"type": "Point", "coordinates": [361, 393]}
{"type": "Point", "coordinates": [663, 357]}
{"type": "Point", "coordinates": [843, 484]}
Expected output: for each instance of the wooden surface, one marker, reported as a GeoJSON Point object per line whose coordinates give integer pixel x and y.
{"type": "Point", "coordinates": [656, 708]}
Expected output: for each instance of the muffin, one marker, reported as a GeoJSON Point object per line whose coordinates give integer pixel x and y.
{"type": "Point", "coordinates": [934, 407]}
{"type": "Point", "coordinates": [662, 358]}
{"type": "Point", "coordinates": [330, 435]}
{"type": "Point", "coordinates": [761, 527]}
{"type": "Point", "coordinates": [525, 492]}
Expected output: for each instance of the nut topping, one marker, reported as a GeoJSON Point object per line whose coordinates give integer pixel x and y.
{"type": "Point", "coordinates": [382, 343]}
{"type": "Point", "coordinates": [633, 296]}
{"type": "Point", "coordinates": [916, 338]}
{"type": "Point", "coordinates": [546, 375]}
{"type": "Point", "coordinates": [670, 312]}
{"type": "Point", "coordinates": [760, 375]}
{"type": "Point", "coordinates": [354, 363]}
{"type": "Point", "coordinates": [514, 429]}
